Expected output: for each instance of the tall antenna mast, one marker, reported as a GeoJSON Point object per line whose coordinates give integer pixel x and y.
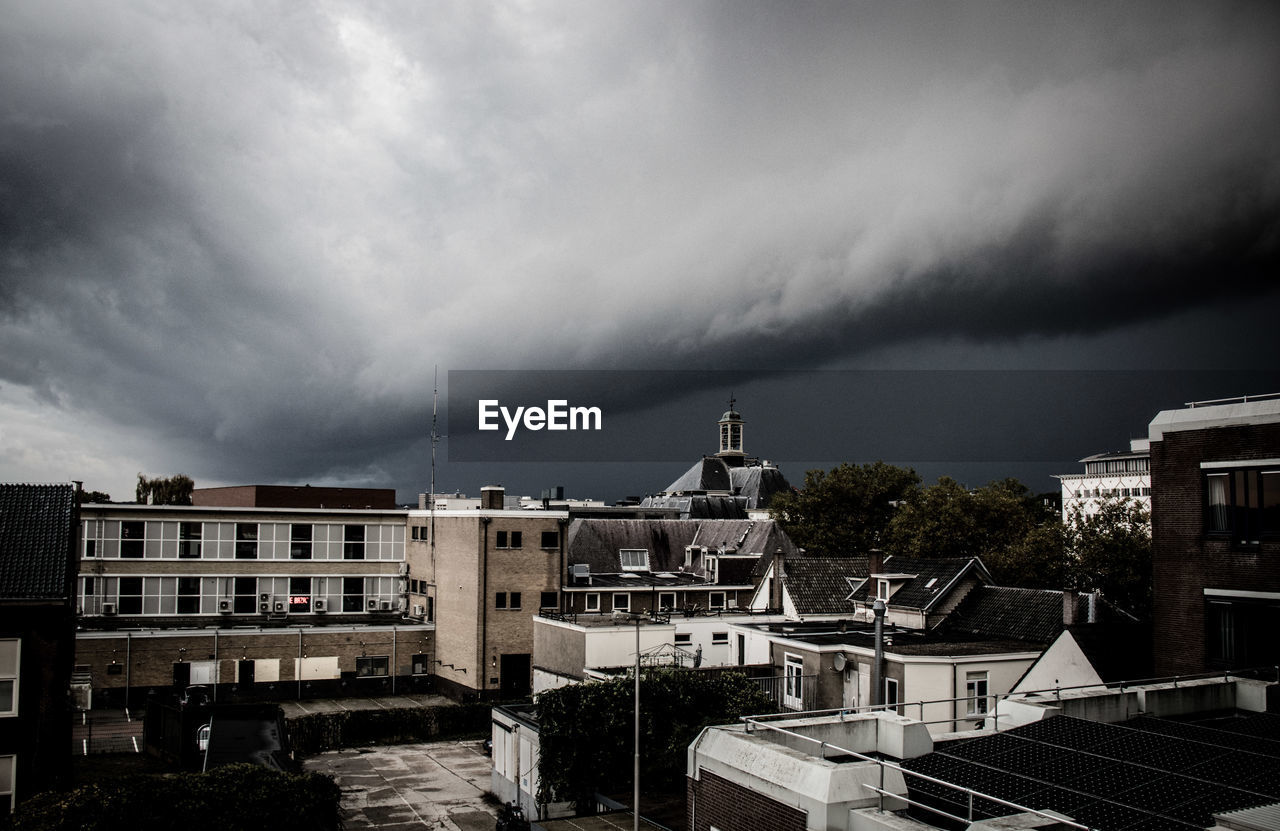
{"type": "Point", "coordinates": [435, 439]}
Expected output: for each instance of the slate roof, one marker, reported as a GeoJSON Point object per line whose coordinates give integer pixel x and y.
{"type": "Point", "coordinates": [933, 575]}
{"type": "Point", "coordinates": [596, 542]}
{"type": "Point", "coordinates": [898, 640]}
{"type": "Point", "coordinates": [822, 585]}
{"type": "Point", "coordinates": [37, 541]}
{"type": "Point", "coordinates": [1003, 611]}
{"type": "Point", "coordinates": [1146, 774]}
{"type": "Point", "coordinates": [753, 483]}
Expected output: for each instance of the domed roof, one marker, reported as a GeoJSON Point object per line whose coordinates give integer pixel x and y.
{"type": "Point", "coordinates": [731, 415]}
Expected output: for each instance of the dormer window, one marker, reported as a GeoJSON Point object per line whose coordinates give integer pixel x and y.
{"type": "Point", "coordinates": [882, 589]}
{"type": "Point", "coordinates": [634, 559]}
{"type": "Point", "coordinates": [713, 569]}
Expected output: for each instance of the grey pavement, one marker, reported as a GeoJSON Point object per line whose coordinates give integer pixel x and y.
{"type": "Point", "coordinates": [437, 785]}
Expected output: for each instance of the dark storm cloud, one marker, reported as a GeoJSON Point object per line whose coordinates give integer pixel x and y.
{"type": "Point", "coordinates": [236, 240]}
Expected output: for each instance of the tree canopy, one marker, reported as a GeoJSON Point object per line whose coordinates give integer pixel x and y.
{"type": "Point", "coordinates": [586, 730]}
{"type": "Point", "coordinates": [1110, 550]}
{"type": "Point", "coordinates": [174, 490]}
{"type": "Point", "coordinates": [845, 511]}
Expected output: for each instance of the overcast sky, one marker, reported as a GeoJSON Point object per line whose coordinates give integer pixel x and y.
{"type": "Point", "coordinates": [237, 238]}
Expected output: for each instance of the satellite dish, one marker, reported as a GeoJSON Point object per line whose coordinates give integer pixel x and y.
{"type": "Point", "coordinates": [840, 661]}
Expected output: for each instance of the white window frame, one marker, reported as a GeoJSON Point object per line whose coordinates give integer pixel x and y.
{"type": "Point", "coordinates": [592, 602]}
{"type": "Point", "coordinates": [11, 675]}
{"type": "Point", "coordinates": [711, 600]}
{"type": "Point", "coordinates": [625, 605]}
{"type": "Point", "coordinates": [975, 690]}
{"type": "Point", "coordinates": [719, 638]}
{"type": "Point", "coordinates": [11, 762]}
{"type": "Point", "coordinates": [664, 597]}
{"type": "Point", "coordinates": [882, 589]}
{"type": "Point", "coordinates": [638, 557]}
{"type": "Point", "coordinates": [793, 677]}
{"type": "Point", "coordinates": [892, 702]}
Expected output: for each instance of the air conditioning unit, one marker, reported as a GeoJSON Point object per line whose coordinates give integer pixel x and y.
{"type": "Point", "coordinates": [419, 610]}
{"type": "Point", "coordinates": [580, 573]}
{"type": "Point", "coordinates": [108, 608]}
{"type": "Point", "coordinates": [404, 569]}
{"type": "Point", "coordinates": [280, 607]}
{"type": "Point", "coordinates": [264, 598]}
{"type": "Point", "coordinates": [384, 605]}
{"type": "Point", "coordinates": [224, 606]}
{"type": "Point", "coordinates": [320, 604]}
{"type": "Point", "coordinates": [264, 608]}
{"type": "Point", "coordinates": [371, 605]}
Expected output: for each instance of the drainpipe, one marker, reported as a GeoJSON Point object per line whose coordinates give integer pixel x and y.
{"type": "Point", "coordinates": [484, 603]}
{"type": "Point", "coordinates": [394, 665]}
{"type": "Point", "coordinates": [877, 664]}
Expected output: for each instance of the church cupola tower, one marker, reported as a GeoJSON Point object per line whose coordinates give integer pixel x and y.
{"type": "Point", "coordinates": [731, 436]}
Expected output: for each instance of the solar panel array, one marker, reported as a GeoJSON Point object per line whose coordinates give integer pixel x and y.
{"type": "Point", "coordinates": [1146, 774]}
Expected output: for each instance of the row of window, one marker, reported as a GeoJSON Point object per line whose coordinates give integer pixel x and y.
{"type": "Point", "coordinates": [236, 595]}
{"type": "Point", "coordinates": [1243, 505]}
{"type": "Point", "coordinates": [512, 600]}
{"type": "Point", "coordinates": [501, 539]}
{"type": "Point", "coordinates": [267, 670]}
{"type": "Point", "coordinates": [666, 601]}
{"type": "Point", "coordinates": [1140, 464]}
{"type": "Point", "coordinates": [162, 539]}
{"type": "Point", "coordinates": [1112, 493]}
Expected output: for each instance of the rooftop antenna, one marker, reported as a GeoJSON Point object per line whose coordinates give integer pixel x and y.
{"type": "Point", "coordinates": [435, 439]}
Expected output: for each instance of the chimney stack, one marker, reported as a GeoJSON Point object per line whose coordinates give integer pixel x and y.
{"type": "Point", "coordinates": [1070, 600]}
{"type": "Point", "coordinates": [775, 588]}
{"type": "Point", "coordinates": [492, 497]}
{"type": "Point", "coordinates": [875, 561]}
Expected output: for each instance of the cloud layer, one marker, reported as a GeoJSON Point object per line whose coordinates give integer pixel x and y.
{"type": "Point", "coordinates": [237, 238]}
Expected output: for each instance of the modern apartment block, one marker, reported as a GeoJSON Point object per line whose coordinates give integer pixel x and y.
{"type": "Point", "coordinates": [244, 599]}
{"type": "Point", "coordinates": [481, 575]}
{"type": "Point", "coordinates": [1215, 481]}
{"type": "Point", "coordinates": [1122, 474]}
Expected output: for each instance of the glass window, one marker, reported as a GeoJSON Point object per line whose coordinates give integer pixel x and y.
{"type": "Point", "coordinates": [501, 539]}
{"type": "Point", "coordinates": [300, 542]}
{"type": "Point", "coordinates": [246, 595]}
{"type": "Point", "coordinates": [549, 600]}
{"type": "Point", "coordinates": [593, 602]}
{"type": "Point", "coordinates": [8, 764]}
{"type": "Point", "coordinates": [793, 692]}
{"type": "Point", "coordinates": [550, 539]}
{"type": "Point", "coordinates": [353, 542]}
{"type": "Point", "coordinates": [975, 690]}
{"type": "Point", "coordinates": [10, 657]}
{"type": "Point", "coordinates": [377, 666]}
{"type": "Point", "coordinates": [666, 600]}
{"type": "Point", "coordinates": [129, 601]}
{"type": "Point", "coordinates": [421, 664]}
{"type": "Point", "coordinates": [189, 537]}
{"type": "Point", "coordinates": [634, 559]}
{"type": "Point", "coordinates": [720, 637]}
{"type": "Point", "coordinates": [516, 540]}
{"type": "Point", "coordinates": [716, 600]}
{"type": "Point", "coordinates": [500, 600]}
{"type": "Point", "coordinates": [299, 594]}
{"type": "Point", "coordinates": [352, 594]}
{"type": "Point", "coordinates": [622, 602]}
{"type": "Point", "coordinates": [188, 595]}
{"type": "Point", "coordinates": [132, 535]}
{"type": "Point", "coordinates": [683, 638]}
{"type": "Point", "coordinates": [515, 600]}
{"type": "Point", "coordinates": [246, 540]}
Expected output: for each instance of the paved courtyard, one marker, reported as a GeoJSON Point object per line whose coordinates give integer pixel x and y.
{"type": "Point", "coordinates": [437, 785]}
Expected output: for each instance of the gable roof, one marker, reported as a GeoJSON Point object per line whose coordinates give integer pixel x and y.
{"type": "Point", "coordinates": [821, 585]}
{"type": "Point", "coordinates": [37, 541]}
{"type": "Point", "coordinates": [1005, 611]}
{"type": "Point", "coordinates": [929, 580]}
{"type": "Point", "coordinates": [596, 542]}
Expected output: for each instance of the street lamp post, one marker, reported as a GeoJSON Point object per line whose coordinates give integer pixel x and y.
{"type": "Point", "coordinates": [635, 775]}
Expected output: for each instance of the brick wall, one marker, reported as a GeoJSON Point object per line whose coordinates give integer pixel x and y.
{"type": "Point", "coordinates": [715, 801]}
{"type": "Point", "coordinates": [1185, 560]}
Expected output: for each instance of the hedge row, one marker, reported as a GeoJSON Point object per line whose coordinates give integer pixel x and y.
{"type": "Point", "coordinates": [232, 798]}
{"type": "Point", "coordinates": [318, 732]}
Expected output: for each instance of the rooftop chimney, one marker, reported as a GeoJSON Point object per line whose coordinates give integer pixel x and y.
{"type": "Point", "coordinates": [875, 561]}
{"type": "Point", "coordinates": [775, 588]}
{"type": "Point", "coordinates": [1069, 603]}
{"type": "Point", "coordinates": [492, 497]}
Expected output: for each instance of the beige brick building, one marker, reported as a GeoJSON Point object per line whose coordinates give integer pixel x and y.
{"type": "Point", "coordinates": [481, 576]}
